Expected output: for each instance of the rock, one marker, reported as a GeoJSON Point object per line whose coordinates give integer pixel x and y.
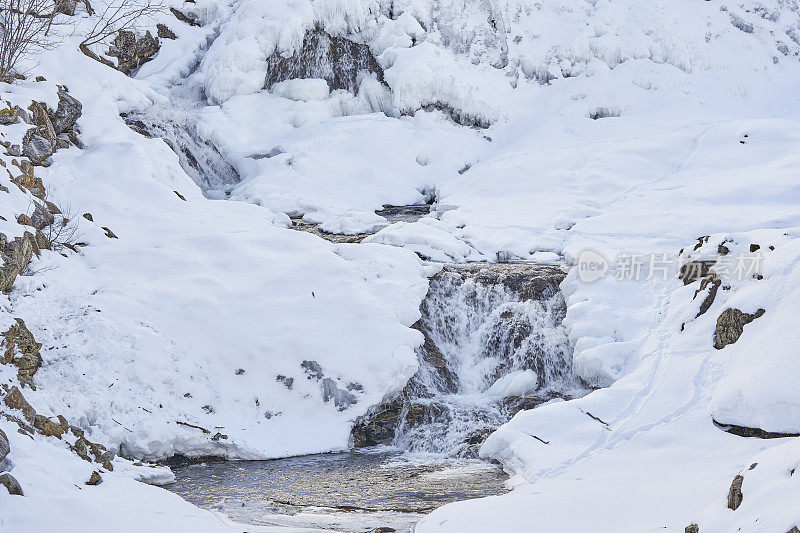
{"type": "Point", "coordinates": [5, 448]}
{"type": "Point", "coordinates": [131, 52]}
{"type": "Point", "coordinates": [15, 400]}
{"type": "Point", "coordinates": [49, 428]}
{"type": "Point", "coordinates": [164, 32]}
{"type": "Point", "coordinates": [730, 326]}
{"type": "Point", "coordinates": [713, 283]}
{"type": "Point", "coordinates": [312, 369]}
{"type": "Point", "coordinates": [337, 60]}
{"type": "Point", "coordinates": [52, 208]}
{"type": "Point", "coordinates": [65, 7]}
{"type": "Point", "coordinates": [692, 528]}
{"type": "Point", "coordinates": [379, 427]}
{"type": "Point", "coordinates": [384, 530]}
{"type": "Point", "coordinates": [735, 495]}
{"type": "Point", "coordinates": [342, 399]}
{"type": "Point", "coordinates": [110, 234]}
{"type": "Point", "coordinates": [183, 17]}
{"type": "Point", "coordinates": [24, 220]}
{"type": "Point", "coordinates": [35, 147]}
{"type": "Point", "coordinates": [67, 113]}
{"type": "Point", "coordinates": [694, 270]}
{"type": "Point", "coordinates": [287, 381]}
{"type": "Point", "coordinates": [95, 479]}
{"type": "Point", "coordinates": [9, 116]}
{"type": "Point", "coordinates": [41, 217]}
{"type": "Point", "coordinates": [11, 484]}
{"type": "Point", "coordinates": [22, 350]}
{"type": "Point", "coordinates": [16, 256]}
{"type": "Point", "coordinates": [41, 119]}
{"type": "Point", "coordinates": [89, 217]}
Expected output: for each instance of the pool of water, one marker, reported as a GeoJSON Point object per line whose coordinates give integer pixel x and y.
{"type": "Point", "coordinates": [350, 492]}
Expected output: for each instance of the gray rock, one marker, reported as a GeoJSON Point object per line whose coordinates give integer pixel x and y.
{"type": "Point", "coordinates": [335, 59]}
{"type": "Point", "coordinates": [66, 7]}
{"type": "Point", "coordinates": [342, 399]}
{"type": "Point", "coordinates": [692, 528]}
{"type": "Point", "coordinates": [312, 369]}
{"type": "Point", "coordinates": [41, 217]}
{"type": "Point", "coordinates": [11, 483]}
{"type": "Point", "coordinates": [164, 32]}
{"type": "Point", "coordinates": [35, 147]}
{"type": "Point", "coordinates": [5, 448]}
{"type": "Point", "coordinates": [730, 326]}
{"type": "Point", "coordinates": [22, 350]}
{"type": "Point", "coordinates": [67, 113]}
{"type": "Point", "coordinates": [132, 52]}
{"type": "Point", "coordinates": [16, 256]}
{"type": "Point", "coordinates": [735, 495]}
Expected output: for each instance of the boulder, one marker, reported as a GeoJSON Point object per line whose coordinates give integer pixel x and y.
{"type": "Point", "coordinates": [41, 216]}
{"type": "Point", "coordinates": [735, 495]}
{"type": "Point", "coordinates": [95, 478]}
{"type": "Point", "coordinates": [164, 32]}
{"type": "Point", "coordinates": [16, 256]}
{"type": "Point", "coordinates": [11, 484]}
{"type": "Point", "coordinates": [67, 113]}
{"type": "Point", "coordinates": [49, 428]}
{"type": "Point", "coordinates": [730, 325]}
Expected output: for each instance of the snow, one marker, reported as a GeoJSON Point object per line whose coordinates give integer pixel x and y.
{"type": "Point", "coordinates": [695, 134]}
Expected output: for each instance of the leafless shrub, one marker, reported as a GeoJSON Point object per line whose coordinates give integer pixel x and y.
{"type": "Point", "coordinates": [24, 27]}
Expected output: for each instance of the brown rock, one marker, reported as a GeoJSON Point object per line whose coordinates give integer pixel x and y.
{"type": "Point", "coordinates": [49, 428]}
{"type": "Point", "coordinates": [730, 326]}
{"type": "Point", "coordinates": [25, 220]}
{"type": "Point", "coordinates": [15, 400]}
{"type": "Point", "coordinates": [95, 478]}
{"type": "Point", "coordinates": [735, 495]}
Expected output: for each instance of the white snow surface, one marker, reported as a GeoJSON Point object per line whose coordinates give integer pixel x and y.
{"type": "Point", "coordinates": [696, 133]}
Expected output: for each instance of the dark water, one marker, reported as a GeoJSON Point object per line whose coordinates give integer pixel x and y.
{"type": "Point", "coordinates": [340, 492]}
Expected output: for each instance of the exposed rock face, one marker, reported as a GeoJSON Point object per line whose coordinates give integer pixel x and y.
{"type": "Point", "coordinates": [22, 350]}
{"type": "Point", "coordinates": [694, 270]}
{"type": "Point", "coordinates": [16, 256]}
{"type": "Point", "coordinates": [132, 52]}
{"type": "Point", "coordinates": [67, 113]}
{"type": "Point", "coordinates": [4, 446]}
{"type": "Point", "coordinates": [530, 282]}
{"type": "Point", "coordinates": [730, 326]}
{"type": "Point", "coordinates": [15, 400]}
{"type": "Point", "coordinates": [50, 428]}
{"type": "Point", "coordinates": [735, 496]}
{"type": "Point", "coordinates": [11, 484]}
{"type": "Point", "coordinates": [378, 428]}
{"type": "Point", "coordinates": [337, 60]}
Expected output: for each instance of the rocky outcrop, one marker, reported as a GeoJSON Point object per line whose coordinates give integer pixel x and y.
{"type": "Point", "coordinates": [132, 51]}
{"type": "Point", "coordinates": [730, 326]}
{"type": "Point", "coordinates": [16, 256]}
{"type": "Point", "coordinates": [735, 495]}
{"type": "Point", "coordinates": [528, 281]}
{"type": "Point", "coordinates": [15, 400]}
{"type": "Point", "coordinates": [22, 350]}
{"type": "Point", "coordinates": [337, 60]}
{"type": "Point", "coordinates": [163, 32]}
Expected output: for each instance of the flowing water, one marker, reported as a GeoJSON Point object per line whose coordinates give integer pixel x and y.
{"type": "Point", "coordinates": [350, 492]}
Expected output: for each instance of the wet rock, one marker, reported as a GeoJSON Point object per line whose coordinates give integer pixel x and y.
{"type": "Point", "coordinates": [164, 32]}
{"type": "Point", "coordinates": [735, 495]}
{"type": "Point", "coordinates": [95, 478]}
{"type": "Point", "coordinates": [11, 484]}
{"type": "Point", "coordinates": [15, 400]}
{"type": "Point", "coordinates": [337, 60]}
{"type": "Point", "coordinates": [132, 52]}
{"type": "Point", "coordinates": [379, 427]}
{"type": "Point", "coordinates": [433, 356]}
{"type": "Point", "coordinates": [22, 350]}
{"type": "Point", "coordinates": [5, 448]}
{"type": "Point", "coordinates": [330, 237]}
{"type": "Point", "coordinates": [730, 326]}
{"type": "Point", "coordinates": [528, 281]}
{"type": "Point", "coordinates": [67, 113]}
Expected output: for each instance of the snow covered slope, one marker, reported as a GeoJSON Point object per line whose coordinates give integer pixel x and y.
{"type": "Point", "coordinates": [542, 129]}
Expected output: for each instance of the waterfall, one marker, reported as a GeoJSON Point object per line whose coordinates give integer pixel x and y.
{"type": "Point", "coordinates": [494, 344]}
{"type": "Point", "coordinates": [176, 124]}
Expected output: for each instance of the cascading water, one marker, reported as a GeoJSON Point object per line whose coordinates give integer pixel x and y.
{"type": "Point", "coordinates": [176, 124]}
{"type": "Point", "coordinates": [494, 344]}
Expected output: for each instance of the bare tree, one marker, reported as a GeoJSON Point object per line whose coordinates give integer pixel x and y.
{"type": "Point", "coordinates": [116, 16]}
{"type": "Point", "coordinates": [24, 27]}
